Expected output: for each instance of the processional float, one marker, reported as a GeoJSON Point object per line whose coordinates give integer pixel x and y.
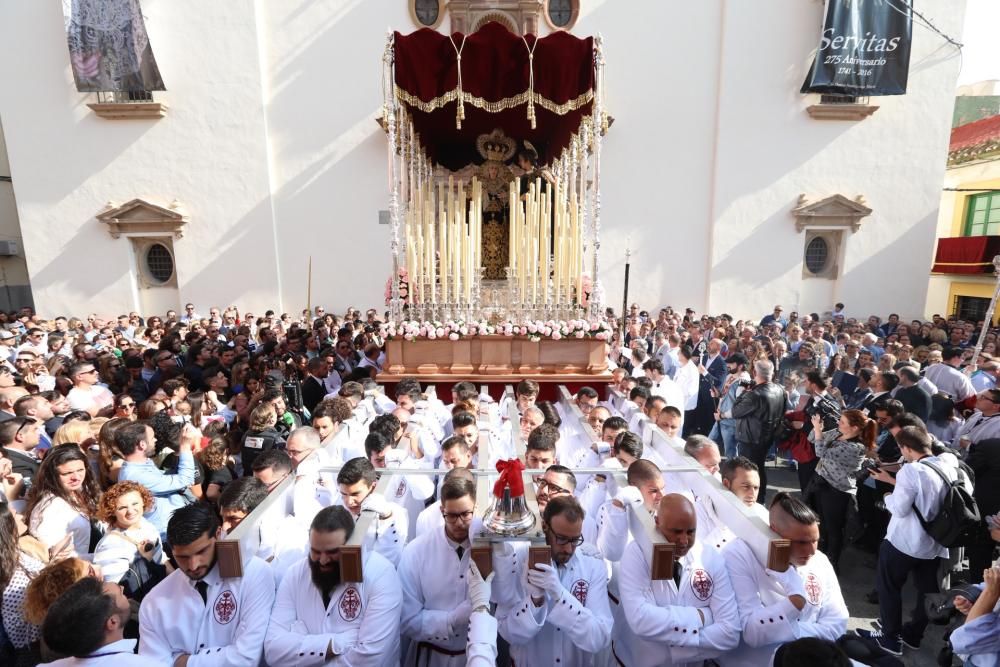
{"type": "Point", "coordinates": [478, 248]}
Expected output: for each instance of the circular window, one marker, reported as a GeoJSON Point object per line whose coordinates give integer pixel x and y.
{"type": "Point", "coordinates": [427, 12]}
{"type": "Point", "coordinates": [817, 254]}
{"type": "Point", "coordinates": [159, 263]}
{"type": "Point", "coordinates": [560, 12]}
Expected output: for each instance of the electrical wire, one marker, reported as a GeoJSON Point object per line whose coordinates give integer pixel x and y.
{"type": "Point", "coordinates": [924, 21]}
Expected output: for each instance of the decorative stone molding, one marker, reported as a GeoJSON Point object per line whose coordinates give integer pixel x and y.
{"type": "Point", "coordinates": [833, 211]}
{"type": "Point", "coordinates": [141, 217]}
{"type": "Point", "coordinates": [130, 110]}
{"type": "Point", "coordinates": [841, 111]}
{"type": "Point", "coordinates": [518, 16]}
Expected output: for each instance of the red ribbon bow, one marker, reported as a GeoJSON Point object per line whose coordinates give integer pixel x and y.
{"type": "Point", "coordinates": [510, 475]}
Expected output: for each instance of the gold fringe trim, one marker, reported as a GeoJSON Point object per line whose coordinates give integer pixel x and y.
{"type": "Point", "coordinates": [494, 107]}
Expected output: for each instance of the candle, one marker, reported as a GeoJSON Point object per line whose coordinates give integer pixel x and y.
{"type": "Point", "coordinates": [431, 248]}
{"type": "Point", "coordinates": [443, 242]}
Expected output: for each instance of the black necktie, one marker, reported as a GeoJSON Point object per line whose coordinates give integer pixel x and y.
{"type": "Point", "coordinates": [460, 550]}
{"type": "Point", "coordinates": [202, 587]}
{"type": "Point", "coordinates": [677, 574]}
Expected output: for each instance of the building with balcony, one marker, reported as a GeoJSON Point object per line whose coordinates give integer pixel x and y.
{"type": "Point", "coordinates": [962, 276]}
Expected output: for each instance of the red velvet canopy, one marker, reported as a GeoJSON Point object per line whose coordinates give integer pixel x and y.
{"type": "Point", "coordinates": [966, 255]}
{"type": "Point", "coordinates": [495, 83]}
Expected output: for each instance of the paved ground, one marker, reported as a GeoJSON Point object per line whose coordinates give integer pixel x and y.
{"type": "Point", "coordinates": [858, 578]}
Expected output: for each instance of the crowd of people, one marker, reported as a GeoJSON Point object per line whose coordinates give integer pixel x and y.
{"type": "Point", "coordinates": [132, 446]}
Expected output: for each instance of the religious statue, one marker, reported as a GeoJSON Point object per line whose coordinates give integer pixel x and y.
{"type": "Point", "coordinates": [495, 174]}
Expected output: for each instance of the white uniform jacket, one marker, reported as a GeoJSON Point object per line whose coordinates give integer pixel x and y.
{"type": "Point", "coordinates": [661, 624]}
{"type": "Point", "coordinates": [365, 614]}
{"type": "Point", "coordinates": [116, 654]}
{"type": "Point", "coordinates": [767, 616]}
{"type": "Point", "coordinates": [227, 630]}
{"type": "Point", "coordinates": [566, 630]}
{"type": "Point", "coordinates": [434, 586]}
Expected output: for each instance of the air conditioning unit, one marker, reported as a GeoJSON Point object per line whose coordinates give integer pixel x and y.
{"type": "Point", "coordinates": [8, 248]}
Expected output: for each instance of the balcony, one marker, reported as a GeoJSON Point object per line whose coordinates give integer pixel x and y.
{"type": "Point", "coordinates": [966, 255]}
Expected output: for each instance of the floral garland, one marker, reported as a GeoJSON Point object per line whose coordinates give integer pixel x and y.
{"type": "Point", "coordinates": [404, 286]}
{"type": "Point", "coordinates": [533, 330]}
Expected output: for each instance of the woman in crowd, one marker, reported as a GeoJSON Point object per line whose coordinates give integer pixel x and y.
{"type": "Point", "coordinates": [49, 584]}
{"type": "Point", "coordinates": [109, 460]}
{"type": "Point", "coordinates": [17, 569]}
{"type": "Point", "coordinates": [125, 407]}
{"type": "Point", "coordinates": [214, 458]}
{"type": "Point", "coordinates": [129, 537]}
{"type": "Point", "coordinates": [63, 500]}
{"type": "Point", "coordinates": [834, 486]}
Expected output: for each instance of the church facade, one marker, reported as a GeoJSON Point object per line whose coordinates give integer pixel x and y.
{"type": "Point", "coordinates": [264, 157]}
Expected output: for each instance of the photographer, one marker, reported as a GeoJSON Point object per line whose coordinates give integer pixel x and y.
{"type": "Point", "coordinates": [758, 412]}
{"type": "Point", "coordinates": [834, 485]}
{"type": "Point", "coordinates": [907, 547]}
{"type": "Point", "coordinates": [736, 382]}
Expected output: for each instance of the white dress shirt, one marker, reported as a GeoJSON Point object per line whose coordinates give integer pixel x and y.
{"type": "Point", "coordinates": [115, 654]}
{"type": "Point", "coordinates": [950, 380]}
{"type": "Point", "coordinates": [917, 484]}
{"type": "Point", "coordinates": [53, 518]}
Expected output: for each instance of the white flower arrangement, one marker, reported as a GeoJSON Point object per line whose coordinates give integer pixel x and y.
{"type": "Point", "coordinates": [534, 330]}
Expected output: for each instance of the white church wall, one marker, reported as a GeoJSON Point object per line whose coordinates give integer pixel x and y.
{"type": "Point", "coordinates": [271, 146]}
{"type": "Point", "coordinates": [209, 154]}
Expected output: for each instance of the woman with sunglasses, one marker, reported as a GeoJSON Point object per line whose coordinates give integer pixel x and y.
{"type": "Point", "coordinates": [63, 500]}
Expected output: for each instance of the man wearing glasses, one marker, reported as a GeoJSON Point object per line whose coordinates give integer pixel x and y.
{"type": "Point", "coordinates": [983, 424]}
{"type": "Point", "coordinates": [559, 613]}
{"type": "Point", "coordinates": [86, 394]}
{"type": "Point", "coordinates": [432, 573]}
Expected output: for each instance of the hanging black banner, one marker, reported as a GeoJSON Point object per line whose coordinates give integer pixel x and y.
{"type": "Point", "coordinates": [864, 49]}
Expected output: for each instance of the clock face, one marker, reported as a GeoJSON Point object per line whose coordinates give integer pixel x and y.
{"type": "Point", "coordinates": [426, 11]}
{"type": "Point", "coordinates": [560, 12]}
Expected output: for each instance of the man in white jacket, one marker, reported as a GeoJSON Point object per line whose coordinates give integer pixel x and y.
{"type": "Point", "coordinates": [778, 607]}
{"type": "Point", "coordinates": [559, 614]}
{"type": "Point", "coordinates": [320, 619]}
{"type": "Point", "coordinates": [680, 621]}
{"type": "Point", "coordinates": [196, 617]}
{"type": "Point", "coordinates": [432, 573]}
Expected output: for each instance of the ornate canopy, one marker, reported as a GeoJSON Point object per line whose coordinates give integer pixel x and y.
{"type": "Point", "coordinates": [457, 87]}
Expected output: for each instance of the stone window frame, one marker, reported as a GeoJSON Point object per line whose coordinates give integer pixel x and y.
{"type": "Point", "coordinates": [830, 218]}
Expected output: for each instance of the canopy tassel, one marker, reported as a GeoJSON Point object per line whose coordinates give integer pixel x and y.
{"type": "Point", "coordinates": [460, 111]}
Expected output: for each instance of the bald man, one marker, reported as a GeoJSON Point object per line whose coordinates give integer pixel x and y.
{"type": "Point", "coordinates": [685, 620]}
{"type": "Point", "coordinates": [778, 607]}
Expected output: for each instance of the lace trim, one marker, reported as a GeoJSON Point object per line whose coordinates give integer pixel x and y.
{"type": "Point", "coordinates": [494, 107]}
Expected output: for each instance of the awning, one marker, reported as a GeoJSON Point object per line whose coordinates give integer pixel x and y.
{"type": "Point", "coordinates": [966, 255]}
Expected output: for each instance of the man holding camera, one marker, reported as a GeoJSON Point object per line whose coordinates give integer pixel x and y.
{"type": "Point", "coordinates": [757, 412]}
{"type": "Point", "coordinates": [907, 546]}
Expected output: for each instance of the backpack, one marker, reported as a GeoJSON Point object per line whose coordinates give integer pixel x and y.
{"type": "Point", "coordinates": [957, 522]}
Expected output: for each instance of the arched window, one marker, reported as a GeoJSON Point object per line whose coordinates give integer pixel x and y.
{"type": "Point", "coordinates": [159, 263]}
{"type": "Point", "coordinates": [817, 255]}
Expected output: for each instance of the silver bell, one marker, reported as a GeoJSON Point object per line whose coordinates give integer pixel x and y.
{"type": "Point", "coordinates": [508, 516]}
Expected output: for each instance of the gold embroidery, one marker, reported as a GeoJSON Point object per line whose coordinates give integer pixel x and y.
{"type": "Point", "coordinates": [494, 107]}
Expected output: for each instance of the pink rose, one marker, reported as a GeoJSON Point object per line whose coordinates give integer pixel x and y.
{"type": "Point", "coordinates": [524, 331]}
{"type": "Point", "coordinates": [594, 326]}
{"type": "Point", "coordinates": [439, 332]}
{"type": "Point", "coordinates": [601, 336]}
{"type": "Point", "coordinates": [453, 336]}
{"type": "Point", "coordinates": [531, 328]}
{"type": "Point", "coordinates": [431, 336]}
{"type": "Point", "coordinates": [579, 334]}
{"type": "Point", "coordinates": [556, 335]}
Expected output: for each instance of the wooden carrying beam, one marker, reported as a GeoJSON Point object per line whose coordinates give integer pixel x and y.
{"type": "Point", "coordinates": [243, 542]}
{"type": "Point", "coordinates": [655, 547]}
{"type": "Point", "coordinates": [770, 548]}
{"type": "Point", "coordinates": [571, 408]}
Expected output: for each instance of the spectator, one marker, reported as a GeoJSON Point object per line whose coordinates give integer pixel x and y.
{"type": "Point", "coordinates": [137, 445]}
{"type": "Point", "coordinates": [130, 553]}
{"type": "Point", "coordinates": [758, 412]}
{"type": "Point", "coordinates": [63, 501]}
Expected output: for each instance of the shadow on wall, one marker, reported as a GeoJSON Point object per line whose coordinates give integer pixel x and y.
{"type": "Point", "coordinates": [325, 97]}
